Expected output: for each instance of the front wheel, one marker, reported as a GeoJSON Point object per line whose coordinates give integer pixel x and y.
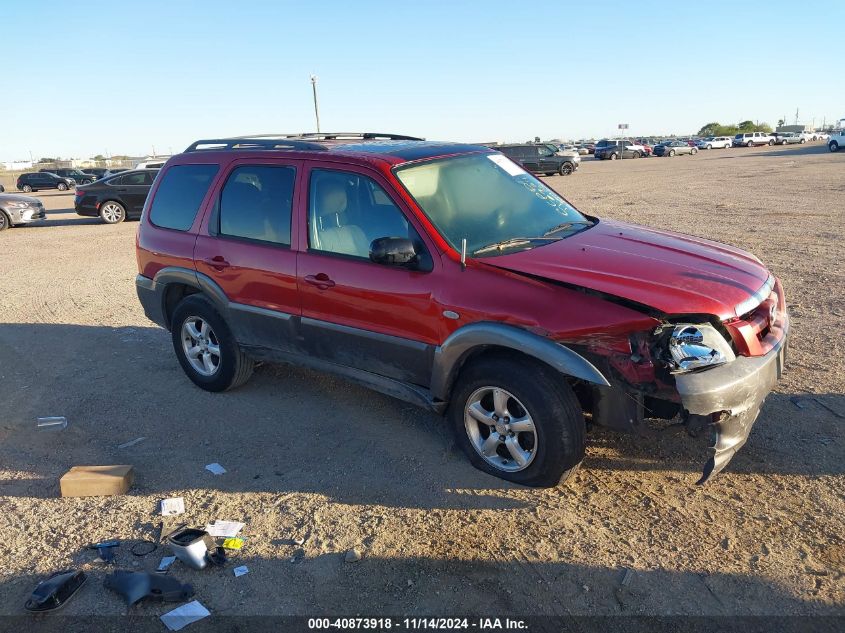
{"type": "Point", "coordinates": [613, 156]}
{"type": "Point", "coordinates": [636, 154]}
{"type": "Point", "coordinates": [671, 153]}
{"type": "Point", "coordinates": [206, 348]}
{"type": "Point", "coordinates": [519, 421]}
{"type": "Point", "coordinates": [5, 222]}
{"type": "Point", "coordinates": [62, 186]}
{"type": "Point", "coordinates": [112, 212]}
{"type": "Point", "coordinates": [709, 146]}
{"type": "Point", "coordinates": [693, 151]}
{"type": "Point", "coordinates": [566, 169]}
{"type": "Point", "coordinates": [833, 146]}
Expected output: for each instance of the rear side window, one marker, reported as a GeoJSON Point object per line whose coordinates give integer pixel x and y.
{"type": "Point", "coordinates": [180, 194]}
{"type": "Point", "coordinates": [256, 203]}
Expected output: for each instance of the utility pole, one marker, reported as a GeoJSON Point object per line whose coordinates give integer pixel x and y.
{"type": "Point", "coordinates": [316, 109]}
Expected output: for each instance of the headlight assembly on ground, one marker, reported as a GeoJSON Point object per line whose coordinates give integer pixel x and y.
{"type": "Point", "coordinates": [696, 346]}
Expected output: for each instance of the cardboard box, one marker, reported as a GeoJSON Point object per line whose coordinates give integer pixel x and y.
{"type": "Point", "coordinates": [96, 481]}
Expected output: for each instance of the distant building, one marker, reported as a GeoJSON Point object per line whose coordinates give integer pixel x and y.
{"type": "Point", "coordinates": [794, 128]}
{"type": "Point", "coordinates": [16, 165]}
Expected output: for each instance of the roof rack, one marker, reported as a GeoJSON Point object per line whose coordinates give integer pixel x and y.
{"type": "Point", "coordinates": [254, 142]}
{"type": "Point", "coordinates": [333, 136]}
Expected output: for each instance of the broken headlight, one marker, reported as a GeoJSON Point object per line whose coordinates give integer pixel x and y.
{"type": "Point", "coordinates": [697, 346]}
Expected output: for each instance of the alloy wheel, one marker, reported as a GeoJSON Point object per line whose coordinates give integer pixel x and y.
{"type": "Point", "coordinates": [111, 212]}
{"type": "Point", "coordinates": [201, 347]}
{"type": "Point", "coordinates": [500, 429]}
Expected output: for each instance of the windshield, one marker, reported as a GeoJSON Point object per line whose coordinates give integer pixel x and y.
{"type": "Point", "coordinates": [489, 200]}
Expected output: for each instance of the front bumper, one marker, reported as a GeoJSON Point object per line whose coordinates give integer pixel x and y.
{"type": "Point", "coordinates": [28, 215]}
{"type": "Point", "coordinates": [731, 397]}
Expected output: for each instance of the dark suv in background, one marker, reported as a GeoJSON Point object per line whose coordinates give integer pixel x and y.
{"type": "Point", "coordinates": [43, 180]}
{"type": "Point", "coordinates": [541, 159]}
{"type": "Point", "coordinates": [81, 178]}
{"type": "Point", "coordinates": [613, 149]}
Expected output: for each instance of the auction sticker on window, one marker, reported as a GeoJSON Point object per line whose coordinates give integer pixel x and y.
{"type": "Point", "coordinates": [507, 164]}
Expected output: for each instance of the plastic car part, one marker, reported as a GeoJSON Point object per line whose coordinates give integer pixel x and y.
{"type": "Point", "coordinates": [195, 548]}
{"type": "Point", "coordinates": [135, 586]}
{"type": "Point", "coordinates": [55, 591]}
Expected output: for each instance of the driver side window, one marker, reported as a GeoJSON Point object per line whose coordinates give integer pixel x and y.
{"type": "Point", "coordinates": [347, 211]}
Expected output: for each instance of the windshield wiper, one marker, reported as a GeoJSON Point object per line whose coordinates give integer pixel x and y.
{"type": "Point", "coordinates": [512, 242]}
{"type": "Point", "coordinates": [564, 226]}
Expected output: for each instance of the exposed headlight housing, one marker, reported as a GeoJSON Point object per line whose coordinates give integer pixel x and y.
{"type": "Point", "coordinates": [17, 204]}
{"type": "Point", "coordinates": [697, 346]}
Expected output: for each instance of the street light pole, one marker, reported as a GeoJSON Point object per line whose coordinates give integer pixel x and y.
{"type": "Point", "coordinates": [316, 110]}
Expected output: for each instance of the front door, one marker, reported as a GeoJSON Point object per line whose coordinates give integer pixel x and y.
{"type": "Point", "coordinates": [357, 313]}
{"type": "Point", "coordinates": [244, 246]}
{"type": "Point", "coordinates": [132, 189]}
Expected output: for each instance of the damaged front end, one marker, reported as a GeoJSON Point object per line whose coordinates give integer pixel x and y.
{"type": "Point", "coordinates": [714, 374]}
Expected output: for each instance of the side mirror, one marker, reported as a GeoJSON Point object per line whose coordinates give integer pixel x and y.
{"type": "Point", "coordinates": [393, 251]}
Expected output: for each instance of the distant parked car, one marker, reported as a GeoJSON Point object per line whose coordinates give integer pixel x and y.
{"type": "Point", "coordinates": [613, 149]}
{"type": "Point", "coordinates": [99, 172]}
{"type": "Point", "coordinates": [590, 147]}
{"type": "Point", "coordinates": [788, 138]}
{"type": "Point", "coordinates": [714, 142]}
{"type": "Point", "coordinates": [112, 172]}
{"type": "Point", "coordinates": [116, 198]}
{"type": "Point", "coordinates": [15, 210]}
{"type": "Point", "coordinates": [822, 136]}
{"type": "Point", "coordinates": [672, 148]}
{"type": "Point", "coordinates": [35, 181]}
{"type": "Point", "coordinates": [541, 159]}
{"type": "Point", "coordinates": [836, 140]}
{"type": "Point", "coordinates": [750, 139]}
{"type": "Point", "coordinates": [81, 178]}
{"type": "Point", "coordinates": [151, 164]}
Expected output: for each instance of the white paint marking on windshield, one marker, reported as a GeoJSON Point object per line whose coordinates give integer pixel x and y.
{"type": "Point", "coordinates": [507, 164]}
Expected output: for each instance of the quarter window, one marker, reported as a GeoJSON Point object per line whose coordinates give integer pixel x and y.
{"type": "Point", "coordinates": [256, 203]}
{"type": "Point", "coordinates": [348, 211]}
{"type": "Point", "coordinates": [180, 194]}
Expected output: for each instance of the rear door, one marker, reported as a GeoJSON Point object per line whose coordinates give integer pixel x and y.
{"type": "Point", "coordinates": [244, 246]}
{"type": "Point", "coordinates": [531, 157]}
{"type": "Point", "coordinates": [356, 313]}
{"type": "Point", "coordinates": [131, 190]}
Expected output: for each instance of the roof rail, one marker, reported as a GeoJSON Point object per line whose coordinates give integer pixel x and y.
{"type": "Point", "coordinates": [253, 142]}
{"type": "Point", "coordinates": [331, 136]}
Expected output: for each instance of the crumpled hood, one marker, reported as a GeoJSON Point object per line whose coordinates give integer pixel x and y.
{"type": "Point", "coordinates": [673, 273]}
{"type": "Point", "coordinates": [13, 197]}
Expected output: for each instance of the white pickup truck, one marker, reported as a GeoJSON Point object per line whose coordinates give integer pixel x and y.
{"type": "Point", "coordinates": [749, 139]}
{"type": "Point", "coordinates": [836, 140]}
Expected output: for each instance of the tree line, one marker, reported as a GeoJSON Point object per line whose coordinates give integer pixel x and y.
{"type": "Point", "coordinates": [717, 129]}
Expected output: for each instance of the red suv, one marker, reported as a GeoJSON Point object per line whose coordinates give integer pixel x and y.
{"type": "Point", "coordinates": [446, 275]}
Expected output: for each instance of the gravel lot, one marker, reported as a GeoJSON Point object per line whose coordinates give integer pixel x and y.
{"type": "Point", "coordinates": [313, 457]}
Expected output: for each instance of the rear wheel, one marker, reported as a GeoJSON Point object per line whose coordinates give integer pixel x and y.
{"type": "Point", "coordinates": [833, 146]}
{"type": "Point", "coordinates": [112, 212]}
{"type": "Point", "coordinates": [62, 186]}
{"type": "Point", "coordinates": [26, 189]}
{"type": "Point", "coordinates": [693, 151]}
{"type": "Point", "coordinates": [636, 154]}
{"type": "Point", "coordinates": [671, 152]}
{"type": "Point", "coordinates": [518, 420]}
{"type": "Point", "coordinates": [206, 348]}
{"type": "Point", "coordinates": [566, 169]}
{"type": "Point", "coordinates": [771, 142]}
{"type": "Point", "coordinates": [613, 156]}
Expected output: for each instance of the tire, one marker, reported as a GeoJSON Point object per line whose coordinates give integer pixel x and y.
{"type": "Point", "coordinates": [112, 212]}
{"type": "Point", "coordinates": [5, 222]}
{"type": "Point", "coordinates": [693, 151]}
{"type": "Point", "coordinates": [565, 169]}
{"type": "Point", "coordinates": [709, 146]}
{"type": "Point", "coordinates": [553, 450]}
{"type": "Point", "coordinates": [671, 153]}
{"type": "Point", "coordinates": [232, 368]}
{"type": "Point", "coordinates": [61, 186]}
{"type": "Point", "coordinates": [636, 155]}
{"type": "Point", "coordinates": [833, 146]}
{"type": "Point", "coordinates": [549, 173]}
{"type": "Point", "coordinates": [802, 141]}
{"type": "Point", "coordinates": [26, 189]}
{"type": "Point", "coordinates": [613, 156]}
{"type": "Point", "coordinates": [772, 143]}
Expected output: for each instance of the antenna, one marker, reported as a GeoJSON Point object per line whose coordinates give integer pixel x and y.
{"type": "Point", "coordinates": [463, 253]}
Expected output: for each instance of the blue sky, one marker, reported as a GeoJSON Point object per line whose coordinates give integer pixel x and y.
{"type": "Point", "coordinates": [124, 77]}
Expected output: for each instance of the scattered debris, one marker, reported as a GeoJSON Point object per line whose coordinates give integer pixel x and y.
{"type": "Point", "coordinates": [54, 423]}
{"type": "Point", "coordinates": [165, 563]}
{"type": "Point", "coordinates": [143, 547]}
{"type": "Point", "coordinates": [586, 588]}
{"type": "Point", "coordinates": [224, 529]}
{"type": "Point", "coordinates": [96, 481]}
{"type": "Point", "coordinates": [298, 540]}
{"type": "Point", "coordinates": [240, 571]}
{"type": "Point", "coordinates": [215, 468]}
{"type": "Point", "coordinates": [135, 586]}
{"type": "Point", "coordinates": [352, 556]}
{"type": "Point", "coordinates": [410, 582]}
{"type": "Point", "coordinates": [105, 550]}
{"type": "Point", "coordinates": [627, 577]}
{"type": "Point", "coordinates": [137, 440]}
{"type": "Point", "coordinates": [172, 506]}
{"type": "Point", "coordinates": [298, 556]}
{"type": "Point", "coordinates": [195, 548]}
{"type": "Point", "coordinates": [727, 544]}
{"type": "Point", "coordinates": [233, 543]}
{"type": "Point", "coordinates": [54, 591]}
{"type": "Point", "coordinates": [182, 616]}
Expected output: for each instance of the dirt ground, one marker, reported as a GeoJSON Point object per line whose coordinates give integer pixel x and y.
{"type": "Point", "coordinates": [313, 457]}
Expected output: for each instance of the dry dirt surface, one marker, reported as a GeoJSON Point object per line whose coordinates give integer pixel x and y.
{"type": "Point", "coordinates": [313, 457]}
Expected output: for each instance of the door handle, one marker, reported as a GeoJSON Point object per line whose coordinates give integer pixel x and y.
{"type": "Point", "coordinates": [321, 280]}
{"type": "Point", "coordinates": [218, 262]}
